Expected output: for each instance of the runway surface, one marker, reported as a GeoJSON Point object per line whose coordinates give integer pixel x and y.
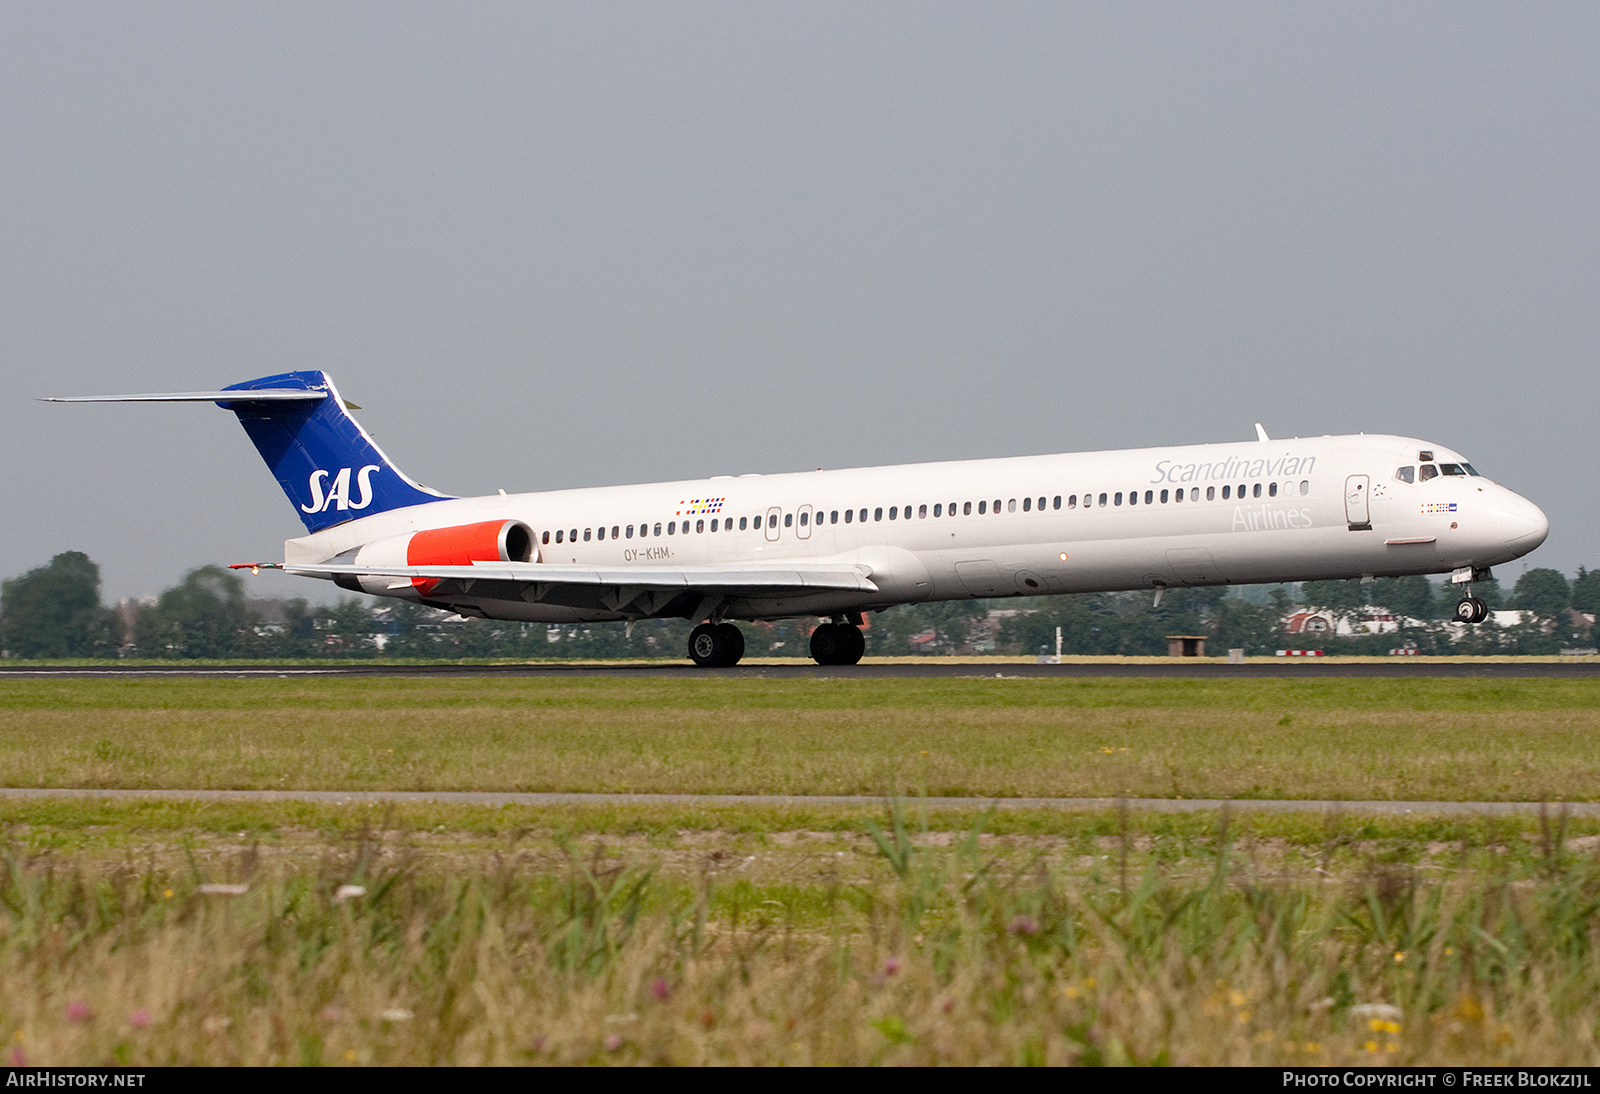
{"type": "Point", "coordinates": [1065, 805]}
{"type": "Point", "coordinates": [1295, 669]}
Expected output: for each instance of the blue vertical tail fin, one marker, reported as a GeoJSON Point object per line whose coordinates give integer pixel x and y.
{"type": "Point", "coordinates": [323, 459]}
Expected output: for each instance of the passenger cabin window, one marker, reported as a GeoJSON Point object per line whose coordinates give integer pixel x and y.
{"type": "Point", "coordinates": [922, 512]}
{"type": "Point", "coordinates": [658, 529]}
{"type": "Point", "coordinates": [1133, 497]}
{"type": "Point", "coordinates": [700, 526]}
{"type": "Point", "coordinates": [545, 538]}
{"type": "Point", "coordinates": [877, 514]}
{"type": "Point", "coordinates": [983, 507]}
{"type": "Point", "coordinates": [1272, 489]}
{"type": "Point", "coordinates": [893, 509]}
{"type": "Point", "coordinates": [1118, 498]}
{"type": "Point", "coordinates": [1102, 501]}
{"type": "Point", "coordinates": [1011, 506]}
{"type": "Point", "coordinates": [1072, 501]}
{"type": "Point", "coordinates": [788, 520]}
{"type": "Point", "coordinates": [996, 506]}
{"type": "Point", "coordinates": [847, 515]}
{"type": "Point", "coordinates": [937, 510]}
{"type": "Point", "coordinates": [1058, 501]}
{"type": "Point", "coordinates": [672, 527]}
{"type": "Point", "coordinates": [1179, 495]}
{"type": "Point", "coordinates": [1211, 493]}
{"type": "Point", "coordinates": [1406, 474]}
{"type": "Point", "coordinates": [1163, 497]}
{"type": "Point", "coordinates": [1256, 492]}
{"type": "Point", "coordinates": [1041, 505]}
{"type": "Point", "coordinates": [1027, 505]}
{"type": "Point", "coordinates": [805, 519]}
{"type": "Point", "coordinates": [743, 523]}
{"type": "Point", "coordinates": [966, 508]}
{"type": "Point", "coordinates": [1305, 486]}
{"type": "Point", "coordinates": [1427, 471]}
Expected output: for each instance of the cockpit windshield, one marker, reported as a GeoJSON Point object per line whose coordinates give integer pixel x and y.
{"type": "Point", "coordinates": [1426, 471]}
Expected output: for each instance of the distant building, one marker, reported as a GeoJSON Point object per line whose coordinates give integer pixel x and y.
{"type": "Point", "coordinates": [1309, 622]}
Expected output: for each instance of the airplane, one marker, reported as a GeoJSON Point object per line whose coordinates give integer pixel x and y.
{"type": "Point", "coordinates": [839, 543]}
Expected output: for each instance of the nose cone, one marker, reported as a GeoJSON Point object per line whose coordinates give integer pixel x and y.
{"type": "Point", "coordinates": [1524, 524]}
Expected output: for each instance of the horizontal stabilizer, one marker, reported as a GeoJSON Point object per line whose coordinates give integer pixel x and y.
{"type": "Point", "coordinates": [263, 395]}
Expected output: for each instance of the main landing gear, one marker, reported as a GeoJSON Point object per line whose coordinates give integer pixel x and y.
{"type": "Point", "coordinates": [837, 644]}
{"type": "Point", "coordinates": [716, 645]}
{"type": "Point", "coordinates": [1471, 610]}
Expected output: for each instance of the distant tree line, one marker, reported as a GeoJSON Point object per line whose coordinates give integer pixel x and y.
{"type": "Point", "coordinates": [56, 612]}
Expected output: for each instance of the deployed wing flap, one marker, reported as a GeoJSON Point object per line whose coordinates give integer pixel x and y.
{"type": "Point", "coordinates": [734, 577]}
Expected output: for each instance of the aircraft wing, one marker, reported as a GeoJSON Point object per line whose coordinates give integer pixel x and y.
{"type": "Point", "coordinates": [732, 579]}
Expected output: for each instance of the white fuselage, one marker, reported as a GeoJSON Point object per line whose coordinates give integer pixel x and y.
{"type": "Point", "coordinates": [1012, 527]}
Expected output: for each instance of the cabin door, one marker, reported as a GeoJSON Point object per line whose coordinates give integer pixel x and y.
{"type": "Point", "coordinates": [772, 522]}
{"type": "Point", "coordinates": [1356, 489]}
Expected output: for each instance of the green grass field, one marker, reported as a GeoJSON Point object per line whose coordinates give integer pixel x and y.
{"type": "Point", "coordinates": [589, 937]}
{"type": "Point", "coordinates": [673, 933]}
{"type": "Point", "coordinates": [1353, 739]}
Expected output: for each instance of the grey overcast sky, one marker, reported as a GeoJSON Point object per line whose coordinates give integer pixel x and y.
{"type": "Point", "coordinates": [551, 245]}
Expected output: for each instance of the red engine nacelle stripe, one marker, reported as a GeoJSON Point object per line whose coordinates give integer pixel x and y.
{"type": "Point", "coordinates": [461, 545]}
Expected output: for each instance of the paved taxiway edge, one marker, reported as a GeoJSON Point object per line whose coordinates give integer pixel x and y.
{"type": "Point", "coordinates": [1066, 805]}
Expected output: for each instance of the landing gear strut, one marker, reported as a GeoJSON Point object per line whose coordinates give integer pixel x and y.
{"type": "Point", "coordinates": [837, 644]}
{"type": "Point", "coordinates": [716, 645]}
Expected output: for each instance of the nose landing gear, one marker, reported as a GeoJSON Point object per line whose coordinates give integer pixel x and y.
{"type": "Point", "coordinates": [716, 645]}
{"type": "Point", "coordinates": [1471, 609]}
{"type": "Point", "coordinates": [837, 644]}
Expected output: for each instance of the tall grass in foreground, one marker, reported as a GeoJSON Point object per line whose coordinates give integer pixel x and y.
{"type": "Point", "coordinates": [960, 955]}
